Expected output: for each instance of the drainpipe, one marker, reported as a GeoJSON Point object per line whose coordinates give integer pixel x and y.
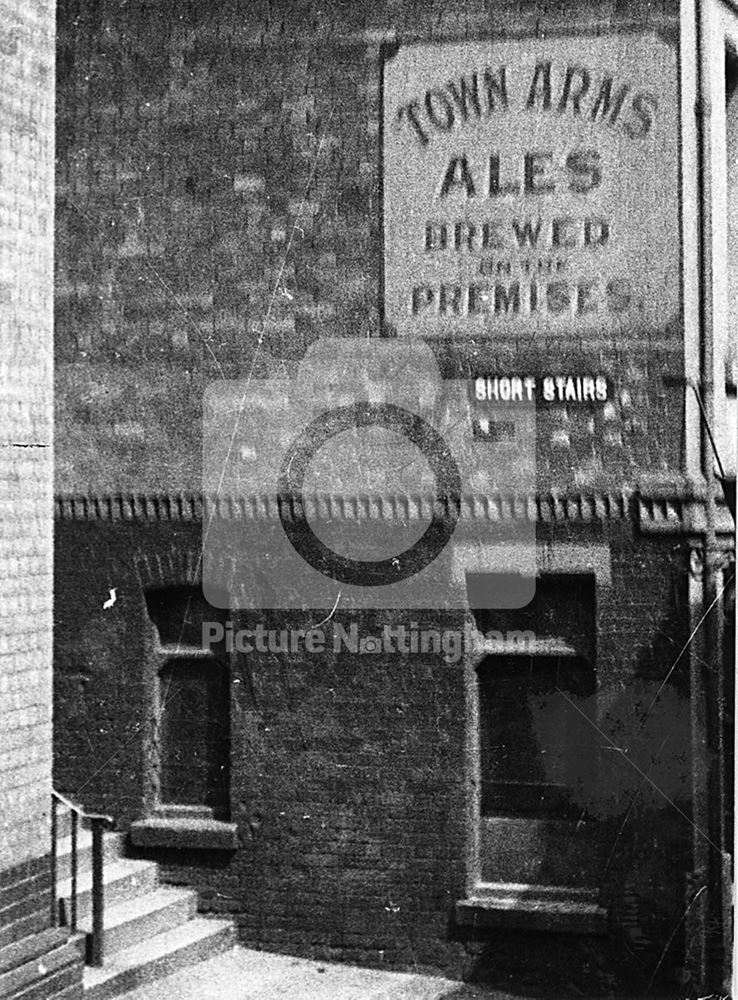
{"type": "Point", "coordinates": [706, 669]}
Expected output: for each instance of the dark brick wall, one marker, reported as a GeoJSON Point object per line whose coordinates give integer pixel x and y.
{"type": "Point", "coordinates": [353, 793]}
{"type": "Point", "coordinates": [350, 780]}
{"type": "Point", "coordinates": [102, 658]}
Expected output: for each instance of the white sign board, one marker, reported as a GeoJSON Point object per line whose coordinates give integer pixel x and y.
{"type": "Point", "coordinates": [532, 187]}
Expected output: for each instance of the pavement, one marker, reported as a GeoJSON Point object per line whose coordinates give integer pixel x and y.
{"type": "Point", "coordinates": [244, 974]}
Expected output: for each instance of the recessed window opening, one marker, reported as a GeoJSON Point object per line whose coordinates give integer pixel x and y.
{"type": "Point", "coordinates": [191, 703]}
{"type": "Point", "coordinates": [535, 740]}
{"type": "Point", "coordinates": [194, 733]}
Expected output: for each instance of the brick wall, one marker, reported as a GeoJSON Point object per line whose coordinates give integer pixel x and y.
{"type": "Point", "coordinates": [26, 217]}
{"type": "Point", "coordinates": [349, 777]}
{"type": "Point", "coordinates": [219, 207]}
{"type": "Point", "coordinates": [102, 657]}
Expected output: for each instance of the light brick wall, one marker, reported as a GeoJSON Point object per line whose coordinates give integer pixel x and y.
{"type": "Point", "coordinates": [26, 339]}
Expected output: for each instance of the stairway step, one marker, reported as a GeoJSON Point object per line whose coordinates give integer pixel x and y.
{"type": "Point", "coordinates": [123, 879]}
{"type": "Point", "coordinates": [32, 909]}
{"type": "Point", "coordinates": [33, 946]}
{"type": "Point", "coordinates": [64, 984]}
{"type": "Point", "coordinates": [23, 979]}
{"type": "Point", "coordinates": [113, 849]}
{"type": "Point", "coordinates": [21, 927]}
{"type": "Point", "coordinates": [161, 955]}
{"type": "Point", "coordinates": [71, 992]}
{"type": "Point", "coordinates": [144, 917]}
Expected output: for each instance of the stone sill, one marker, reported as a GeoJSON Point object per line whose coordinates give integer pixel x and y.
{"type": "Point", "coordinates": [533, 907]}
{"type": "Point", "coordinates": [185, 833]}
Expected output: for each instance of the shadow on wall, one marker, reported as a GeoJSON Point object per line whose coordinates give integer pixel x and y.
{"type": "Point", "coordinates": [585, 784]}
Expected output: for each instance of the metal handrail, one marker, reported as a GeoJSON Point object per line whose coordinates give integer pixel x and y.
{"type": "Point", "coordinates": [98, 823]}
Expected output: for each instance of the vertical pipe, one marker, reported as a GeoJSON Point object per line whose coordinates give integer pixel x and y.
{"type": "Point", "coordinates": [719, 612]}
{"type": "Point", "coordinates": [98, 902]}
{"type": "Point", "coordinates": [710, 669]}
{"type": "Point", "coordinates": [697, 884]}
{"type": "Point", "coordinates": [722, 791]}
{"type": "Point", "coordinates": [75, 822]}
{"type": "Point", "coordinates": [54, 908]}
{"type": "Point", "coordinates": [697, 255]}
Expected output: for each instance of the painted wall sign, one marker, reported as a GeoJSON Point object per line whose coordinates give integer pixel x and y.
{"type": "Point", "coordinates": [532, 186]}
{"type": "Point", "coordinates": [558, 388]}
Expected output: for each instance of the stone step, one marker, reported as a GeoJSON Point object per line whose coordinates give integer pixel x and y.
{"type": "Point", "coordinates": [63, 984]}
{"type": "Point", "coordinates": [161, 955]}
{"type": "Point", "coordinates": [20, 896]}
{"type": "Point", "coordinates": [18, 928]}
{"type": "Point", "coordinates": [143, 917]}
{"type": "Point", "coordinates": [124, 879]}
{"type": "Point", "coordinates": [113, 848]}
{"type": "Point", "coordinates": [31, 979]}
{"type": "Point", "coordinates": [71, 992]}
{"type": "Point", "coordinates": [31, 947]}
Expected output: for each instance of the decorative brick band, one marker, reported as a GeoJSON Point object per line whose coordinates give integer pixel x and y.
{"type": "Point", "coordinates": [129, 507]}
{"type": "Point", "coordinates": [661, 514]}
{"type": "Point", "coordinates": [668, 515]}
{"type": "Point", "coordinates": [579, 507]}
